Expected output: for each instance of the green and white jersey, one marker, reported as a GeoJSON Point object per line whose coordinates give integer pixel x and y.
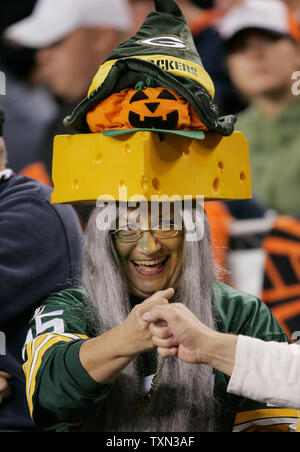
{"type": "Point", "coordinates": [61, 393]}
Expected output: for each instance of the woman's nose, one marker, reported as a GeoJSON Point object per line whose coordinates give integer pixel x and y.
{"type": "Point", "coordinates": [148, 244]}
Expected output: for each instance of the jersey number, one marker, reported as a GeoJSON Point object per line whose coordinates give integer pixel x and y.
{"type": "Point", "coordinates": [55, 325]}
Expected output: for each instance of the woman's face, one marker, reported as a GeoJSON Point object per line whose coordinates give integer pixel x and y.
{"type": "Point", "coordinates": [151, 263]}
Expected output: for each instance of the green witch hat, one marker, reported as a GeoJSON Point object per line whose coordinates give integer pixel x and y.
{"type": "Point", "coordinates": [162, 51]}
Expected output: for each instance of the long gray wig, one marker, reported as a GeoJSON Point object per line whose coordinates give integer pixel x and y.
{"type": "Point", "coordinates": [183, 400]}
{"type": "Point", "coordinates": [3, 153]}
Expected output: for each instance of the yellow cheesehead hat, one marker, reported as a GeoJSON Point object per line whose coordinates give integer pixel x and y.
{"type": "Point", "coordinates": [149, 126]}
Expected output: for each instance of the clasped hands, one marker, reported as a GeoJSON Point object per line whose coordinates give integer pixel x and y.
{"type": "Point", "coordinates": [173, 329]}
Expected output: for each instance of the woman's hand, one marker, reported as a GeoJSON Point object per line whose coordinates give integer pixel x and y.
{"type": "Point", "coordinates": [135, 332]}
{"type": "Point", "coordinates": [104, 357]}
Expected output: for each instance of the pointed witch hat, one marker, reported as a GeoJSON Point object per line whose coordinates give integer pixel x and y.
{"type": "Point", "coordinates": [162, 51]}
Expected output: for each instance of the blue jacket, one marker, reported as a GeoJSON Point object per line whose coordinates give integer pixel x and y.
{"type": "Point", "coordinates": [40, 253]}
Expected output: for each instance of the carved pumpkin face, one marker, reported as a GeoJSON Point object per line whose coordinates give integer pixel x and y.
{"type": "Point", "coordinates": [151, 108]}
{"type": "Point", "coordinates": [154, 109]}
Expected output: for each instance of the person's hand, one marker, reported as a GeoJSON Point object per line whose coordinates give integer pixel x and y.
{"type": "Point", "coordinates": [177, 331]}
{"type": "Point", "coordinates": [135, 330]}
{"type": "Point", "coordinates": [104, 357]}
{"type": "Point", "coordinates": [5, 390]}
{"type": "Point", "coordinates": [181, 333]}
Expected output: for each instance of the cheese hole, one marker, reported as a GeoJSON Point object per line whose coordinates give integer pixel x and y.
{"type": "Point", "coordinates": [243, 177]}
{"type": "Point", "coordinates": [156, 184]}
{"type": "Point", "coordinates": [144, 184]}
{"type": "Point", "coordinates": [127, 149]}
{"type": "Point", "coordinates": [75, 185]}
{"type": "Point", "coordinates": [216, 185]}
{"type": "Point", "coordinates": [98, 160]}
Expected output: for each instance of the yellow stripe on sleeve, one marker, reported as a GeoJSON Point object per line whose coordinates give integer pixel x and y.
{"type": "Point", "coordinates": [269, 419]}
{"type": "Point", "coordinates": [35, 352]}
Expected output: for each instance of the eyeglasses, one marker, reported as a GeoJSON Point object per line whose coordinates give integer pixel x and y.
{"type": "Point", "coordinates": [127, 235]}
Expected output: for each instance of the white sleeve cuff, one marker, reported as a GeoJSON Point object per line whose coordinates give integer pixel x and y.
{"type": "Point", "coordinates": [268, 372]}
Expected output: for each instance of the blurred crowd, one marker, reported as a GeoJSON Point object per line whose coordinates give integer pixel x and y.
{"type": "Point", "coordinates": [50, 51]}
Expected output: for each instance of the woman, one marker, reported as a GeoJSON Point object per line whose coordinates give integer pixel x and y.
{"type": "Point", "coordinates": [98, 365]}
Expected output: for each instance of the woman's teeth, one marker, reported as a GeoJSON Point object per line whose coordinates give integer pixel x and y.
{"type": "Point", "coordinates": [151, 265]}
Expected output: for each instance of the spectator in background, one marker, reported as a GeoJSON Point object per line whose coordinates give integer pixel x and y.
{"type": "Point", "coordinates": [40, 252]}
{"type": "Point", "coordinates": [262, 54]}
{"type": "Point", "coordinates": [202, 20]}
{"type": "Point", "coordinates": [71, 38]}
{"type": "Point", "coordinates": [28, 108]}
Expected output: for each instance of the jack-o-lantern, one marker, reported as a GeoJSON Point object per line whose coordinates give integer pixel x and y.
{"type": "Point", "coordinates": [149, 108]}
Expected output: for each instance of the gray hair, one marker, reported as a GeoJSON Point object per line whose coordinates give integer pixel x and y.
{"type": "Point", "coordinates": [3, 153]}
{"type": "Point", "coordinates": [183, 399]}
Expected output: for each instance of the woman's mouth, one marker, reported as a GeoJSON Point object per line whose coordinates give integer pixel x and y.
{"type": "Point", "coordinates": [150, 267]}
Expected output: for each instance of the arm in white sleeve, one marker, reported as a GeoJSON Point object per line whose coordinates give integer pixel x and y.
{"type": "Point", "coordinates": [268, 372]}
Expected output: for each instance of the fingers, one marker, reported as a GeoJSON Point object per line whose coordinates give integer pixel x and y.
{"type": "Point", "coordinates": [163, 339]}
{"type": "Point", "coordinates": [135, 330]}
{"type": "Point", "coordinates": [167, 293]}
{"type": "Point", "coordinates": [167, 352]}
{"type": "Point", "coordinates": [160, 295]}
{"type": "Point", "coordinates": [158, 313]}
{"type": "Point", "coordinates": [159, 298]}
{"type": "Point", "coordinates": [160, 330]}
{"type": "Point", "coordinates": [161, 320]}
{"type": "Point", "coordinates": [164, 343]}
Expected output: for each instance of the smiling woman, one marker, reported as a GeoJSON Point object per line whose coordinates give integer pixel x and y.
{"type": "Point", "coordinates": [151, 259]}
{"type": "Point", "coordinates": [123, 275]}
{"type": "Point", "coordinates": [154, 261]}
{"type": "Point", "coordinates": [91, 357]}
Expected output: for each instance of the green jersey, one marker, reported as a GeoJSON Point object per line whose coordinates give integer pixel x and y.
{"type": "Point", "coordinates": [61, 393]}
